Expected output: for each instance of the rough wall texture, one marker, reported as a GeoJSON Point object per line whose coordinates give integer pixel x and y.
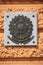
{"type": "Point", "coordinates": [21, 63]}
{"type": "Point", "coordinates": [22, 8]}
{"type": "Point", "coordinates": [12, 52]}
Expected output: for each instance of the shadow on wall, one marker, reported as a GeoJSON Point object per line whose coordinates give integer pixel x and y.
{"type": "Point", "coordinates": [13, 1]}
{"type": "Point", "coordinates": [22, 59]}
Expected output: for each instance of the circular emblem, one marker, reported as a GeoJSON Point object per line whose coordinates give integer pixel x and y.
{"type": "Point", "coordinates": [20, 28]}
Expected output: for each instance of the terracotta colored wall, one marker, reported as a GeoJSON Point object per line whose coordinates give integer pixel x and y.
{"type": "Point", "coordinates": [21, 62]}
{"type": "Point", "coordinates": [18, 52]}
{"type": "Point", "coordinates": [20, 1]}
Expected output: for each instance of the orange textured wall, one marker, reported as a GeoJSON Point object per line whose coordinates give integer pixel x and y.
{"type": "Point", "coordinates": [20, 1]}
{"type": "Point", "coordinates": [22, 52]}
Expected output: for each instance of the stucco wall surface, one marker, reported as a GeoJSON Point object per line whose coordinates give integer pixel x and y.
{"type": "Point", "coordinates": [14, 52]}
